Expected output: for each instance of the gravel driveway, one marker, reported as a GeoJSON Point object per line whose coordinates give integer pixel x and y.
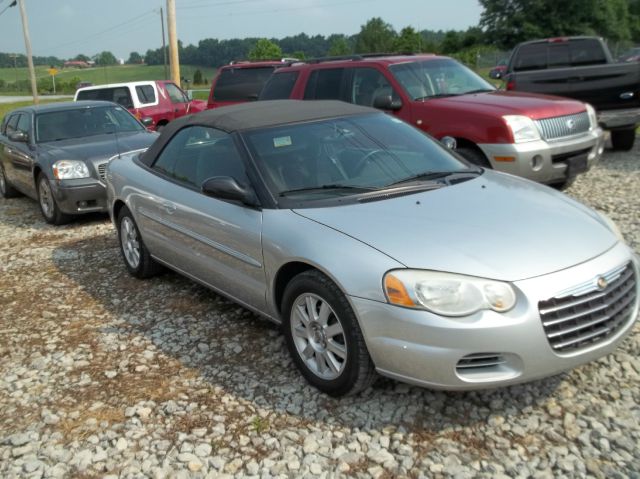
{"type": "Point", "coordinates": [102, 375]}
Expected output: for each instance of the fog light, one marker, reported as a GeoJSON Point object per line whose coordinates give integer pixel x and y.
{"type": "Point", "coordinates": [536, 163]}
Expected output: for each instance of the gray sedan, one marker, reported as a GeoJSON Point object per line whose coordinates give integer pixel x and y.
{"type": "Point", "coordinates": [57, 154]}
{"type": "Point", "coordinates": [375, 248]}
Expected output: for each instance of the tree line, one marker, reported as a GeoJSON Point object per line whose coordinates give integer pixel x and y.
{"type": "Point", "coordinates": [503, 23]}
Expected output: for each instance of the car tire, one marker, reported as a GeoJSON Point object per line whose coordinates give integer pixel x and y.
{"type": "Point", "coordinates": [474, 156]}
{"type": "Point", "coordinates": [135, 254]}
{"type": "Point", "coordinates": [6, 190]}
{"type": "Point", "coordinates": [47, 202]}
{"type": "Point", "coordinates": [323, 336]}
{"type": "Point", "coordinates": [623, 140]}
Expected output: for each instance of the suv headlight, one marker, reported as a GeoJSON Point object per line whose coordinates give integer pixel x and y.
{"type": "Point", "coordinates": [522, 127]}
{"type": "Point", "coordinates": [70, 169]}
{"type": "Point", "coordinates": [593, 116]}
{"type": "Point", "coordinates": [447, 294]}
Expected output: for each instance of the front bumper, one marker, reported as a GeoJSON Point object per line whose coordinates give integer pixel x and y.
{"type": "Point", "coordinates": [86, 195]}
{"type": "Point", "coordinates": [613, 119]}
{"type": "Point", "coordinates": [426, 349]}
{"type": "Point", "coordinates": [546, 161]}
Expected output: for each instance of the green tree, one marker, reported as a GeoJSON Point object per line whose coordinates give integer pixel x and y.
{"type": "Point", "coordinates": [265, 50]}
{"type": "Point", "coordinates": [508, 22]}
{"type": "Point", "coordinates": [197, 77]}
{"type": "Point", "coordinates": [339, 47]}
{"type": "Point", "coordinates": [81, 58]}
{"type": "Point", "coordinates": [135, 58]}
{"type": "Point", "coordinates": [409, 41]}
{"type": "Point", "coordinates": [375, 36]}
{"type": "Point", "coordinates": [105, 58]}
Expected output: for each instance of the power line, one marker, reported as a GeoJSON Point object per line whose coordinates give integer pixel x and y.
{"type": "Point", "coordinates": [280, 10]}
{"type": "Point", "coordinates": [217, 4]}
{"type": "Point", "coordinates": [102, 32]}
{"type": "Point", "coordinates": [12, 4]}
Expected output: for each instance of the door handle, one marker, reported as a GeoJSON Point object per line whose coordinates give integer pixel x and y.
{"type": "Point", "coordinates": [169, 207]}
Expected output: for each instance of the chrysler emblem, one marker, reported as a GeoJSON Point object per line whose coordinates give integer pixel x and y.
{"type": "Point", "coordinates": [571, 124]}
{"type": "Point", "coordinates": [602, 283]}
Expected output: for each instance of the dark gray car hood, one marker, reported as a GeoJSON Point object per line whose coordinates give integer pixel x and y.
{"type": "Point", "coordinates": [94, 147]}
{"type": "Point", "coordinates": [494, 226]}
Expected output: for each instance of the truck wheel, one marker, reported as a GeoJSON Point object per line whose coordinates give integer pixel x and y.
{"type": "Point", "coordinates": [474, 156]}
{"type": "Point", "coordinates": [622, 140]}
{"type": "Point", "coordinates": [6, 190]}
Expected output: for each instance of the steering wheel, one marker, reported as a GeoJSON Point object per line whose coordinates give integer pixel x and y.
{"type": "Point", "coordinates": [359, 165]}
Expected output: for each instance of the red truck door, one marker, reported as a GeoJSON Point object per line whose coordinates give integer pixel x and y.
{"type": "Point", "coordinates": [179, 100]}
{"type": "Point", "coordinates": [370, 87]}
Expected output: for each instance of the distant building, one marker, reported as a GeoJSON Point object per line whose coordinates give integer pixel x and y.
{"type": "Point", "coordinates": [76, 64]}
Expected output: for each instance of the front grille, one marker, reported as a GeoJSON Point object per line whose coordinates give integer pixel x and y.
{"type": "Point", "coordinates": [480, 361]}
{"type": "Point", "coordinates": [589, 314]}
{"type": "Point", "coordinates": [102, 171]}
{"type": "Point", "coordinates": [563, 126]}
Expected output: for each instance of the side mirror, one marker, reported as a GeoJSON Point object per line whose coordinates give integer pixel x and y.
{"type": "Point", "coordinates": [386, 102]}
{"type": "Point", "coordinates": [147, 121]}
{"type": "Point", "coordinates": [495, 74]}
{"type": "Point", "coordinates": [227, 188]}
{"type": "Point", "coordinates": [20, 136]}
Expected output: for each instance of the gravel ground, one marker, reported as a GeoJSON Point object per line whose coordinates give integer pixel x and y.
{"type": "Point", "coordinates": [102, 375]}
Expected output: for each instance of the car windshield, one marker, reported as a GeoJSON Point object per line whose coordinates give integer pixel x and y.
{"type": "Point", "coordinates": [437, 78]}
{"type": "Point", "coordinates": [84, 121]}
{"type": "Point", "coordinates": [346, 156]}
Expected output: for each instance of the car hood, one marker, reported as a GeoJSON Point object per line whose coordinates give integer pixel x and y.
{"type": "Point", "coordinates": [495, 226]}
{"type": "Point", "coordinates": [500, 103]}
{"type": "Point", "coordinates": [97, 147]}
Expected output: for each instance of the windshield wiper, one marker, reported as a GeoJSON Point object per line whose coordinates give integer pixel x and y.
{"type": "Point", "coordinates": [438, 95]}
{"type": "Point", "coordinates": [431, 175]}
{"type": "Point", "coordinates": [327, 187]}
{"type": "Point", "coordinates": [479, 90]}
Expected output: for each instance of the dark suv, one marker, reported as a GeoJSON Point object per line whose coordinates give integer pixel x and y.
{"type": "Point", "coordinates": [241, 81]}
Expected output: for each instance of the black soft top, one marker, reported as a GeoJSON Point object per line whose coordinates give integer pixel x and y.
{"type": "Point", "coordinates": [259, 114]}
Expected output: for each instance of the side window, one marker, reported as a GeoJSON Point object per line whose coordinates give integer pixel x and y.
{"type": "Point", "coordinates": [279, 87]}
{"type": "Point", "coordinates": [367, 85]}
{"type": "Point", "coordinates": [241, 84]}
{"type": "Point", "coordinates": [122, 96]}
{"type": "Point", "coordinates": [12, 124]}
{"type": "Point", "coordinates": [24, 123]}
{"type": "Point", "coordinates": [198, 153]}
{"type": "Point", "coordinates": [325, 84]}
{"type": "Point", "coordinates": [175, 93]}
{"type": "Point", "coordinates": [146, 94]}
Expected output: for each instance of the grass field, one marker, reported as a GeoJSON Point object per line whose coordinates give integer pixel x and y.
{"type": "Point", "coordinates": [111, 74]}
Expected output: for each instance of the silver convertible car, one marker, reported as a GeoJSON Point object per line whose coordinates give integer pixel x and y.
{"type": "Point", "coordinates": [376, 248]}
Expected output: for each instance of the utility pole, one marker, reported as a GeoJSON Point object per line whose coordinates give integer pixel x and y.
{"type": "Point", "coordinates": [164, 45]}
{"type": "Point", "coordinates": [174, 61]}
{"type": "Point", "coordinates": [27, 44]}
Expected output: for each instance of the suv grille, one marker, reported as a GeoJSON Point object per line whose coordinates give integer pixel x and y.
{"type": "Point", "coordinates": [589, 315]}
{"type": "Point", "coordinates": [563, 126]}
{"type": "Point", "coordinates": [102, 171]}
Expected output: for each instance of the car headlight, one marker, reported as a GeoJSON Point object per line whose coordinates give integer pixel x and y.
{"type": "Point", "coordinates": [609, 223]}
{"type": "Point", "coordinates": [522, 127]}
{"type": "Point", "coordinates": [593, 116]}
{"type": "Point", "coordinates": [447, 294]}
{"type": "Point", "coordinates": [70, 169]}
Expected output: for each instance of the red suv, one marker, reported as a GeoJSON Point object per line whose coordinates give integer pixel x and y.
{"type": "Point", "coordinates": [544, 138]}
{"type": "Point", "coordinates": [155, 103]}
{"type": "Point", "coordinates": [241, 81]}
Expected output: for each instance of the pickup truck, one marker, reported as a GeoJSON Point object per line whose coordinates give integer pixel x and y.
{"type": "Point", "coordinates": [581, 68]}
{"type": "Point", "coordinates": [155, 103]}
{"type": "Point", "coordinates": [546, 139]}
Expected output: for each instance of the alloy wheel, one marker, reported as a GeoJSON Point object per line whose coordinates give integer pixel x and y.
{"type": "Point", "coordinates": [129, 242]}
{"type": "Point", "coordinates": [46, 198]}
{"type": "Point", "coordinates": [318, 336]}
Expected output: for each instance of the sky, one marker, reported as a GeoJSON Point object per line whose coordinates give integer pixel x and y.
{"type": "Point", "coordinates": [65, 28]}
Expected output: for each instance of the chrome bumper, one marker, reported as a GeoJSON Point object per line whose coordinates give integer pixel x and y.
{"type": "Point", "coordinates": [611, 119]}
{"type": "Point", "coordinates": [429, 350]}
{"type": "Point", "coordinates": [545, 161]}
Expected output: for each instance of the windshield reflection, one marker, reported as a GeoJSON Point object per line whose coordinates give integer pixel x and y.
{"type": "Point", "coordinates": [438, 78]}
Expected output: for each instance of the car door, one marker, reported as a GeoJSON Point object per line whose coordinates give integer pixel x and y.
{"type": "Point", "coordinates": [21, 155]}
{"type": "Point", "coordinates": [179, 100]}
{"type": "Point", "coordinates": [214, 241]}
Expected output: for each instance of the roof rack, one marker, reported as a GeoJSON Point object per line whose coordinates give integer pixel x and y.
{"type": "Point", "coordinates": [281, 60]}
{"type": "Point", "coordinates": [360, 56]}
